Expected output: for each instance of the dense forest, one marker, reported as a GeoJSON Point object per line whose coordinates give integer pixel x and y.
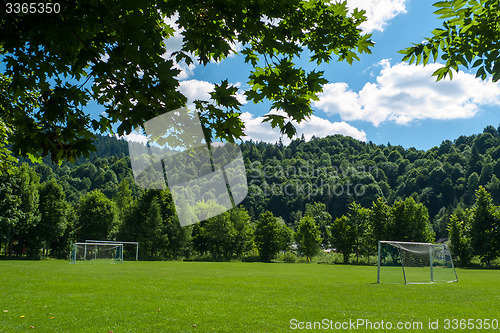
{"type": "Point", "coordinates": [334, 192]}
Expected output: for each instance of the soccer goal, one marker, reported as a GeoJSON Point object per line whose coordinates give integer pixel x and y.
{"type": "Point", "coordinates": [130, 249]}
{"type": "Point", "coordinates": [411, 262]}
{"type": "Point", "coordinates": [97, 251]}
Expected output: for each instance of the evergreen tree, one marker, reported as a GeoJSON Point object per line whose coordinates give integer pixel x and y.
{"type": "Point", "coordinates": [483, 229]}
{"type": "Point", "coordinates": [459, 240]}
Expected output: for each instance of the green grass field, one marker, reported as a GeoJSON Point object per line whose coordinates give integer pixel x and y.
{"type": "Point", "coordinates": [55, 296]}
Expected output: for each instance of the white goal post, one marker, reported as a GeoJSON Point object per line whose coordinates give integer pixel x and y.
{"type": "Point", "coordinates": [96, 251]}
{"type": "Point", "coordinates": [413, 262]}
{"type": "Point", "coordinates": [118, 242]}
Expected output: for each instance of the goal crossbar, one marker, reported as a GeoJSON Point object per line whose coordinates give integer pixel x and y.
{"type": "Point", "coordinates": [88, 241]}
{"type": "Point", "coordinates": [407, 243]}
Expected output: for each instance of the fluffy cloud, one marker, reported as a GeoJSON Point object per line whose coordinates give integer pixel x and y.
{"type": "Point", "coordinates": [256, 130]}
{"type": "Point", "coordinates": [404, 93]}
{"type": "Point", "coordinates": [134, 137]}
{"type": "Point", "coordinates": [197, 89]}
{"type": "Point", "coordinates": [378, 12]}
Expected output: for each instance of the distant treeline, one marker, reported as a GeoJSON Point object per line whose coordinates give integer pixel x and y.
{"type": "Point", "coordinates": [339, 183]}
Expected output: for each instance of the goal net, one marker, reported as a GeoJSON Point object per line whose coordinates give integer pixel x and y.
{"type": "Point", "coordinates": [96, 251]}
{"type": "Point", "coordinates": [130, 249]}
{"type": "Point", "coordinates": [410, 262]}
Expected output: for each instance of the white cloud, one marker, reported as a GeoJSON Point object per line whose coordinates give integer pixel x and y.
{"type": "Point", "coordinates": [256, 130]}
{"type": "Point", "coordinates": [134, 137]}
{"type": "Point", "coordinates": [404, 93]}
{"type": "Point", "coordinates": [196, 89]}
{"type": "Point", "coordinates": [378, 12]}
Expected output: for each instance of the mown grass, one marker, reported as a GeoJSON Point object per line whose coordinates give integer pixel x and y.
{"type": "Point", "coordinates": [55, 296]}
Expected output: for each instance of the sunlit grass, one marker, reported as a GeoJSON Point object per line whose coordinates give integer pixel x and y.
{"type": "Point", "coordinates": [55, 296]}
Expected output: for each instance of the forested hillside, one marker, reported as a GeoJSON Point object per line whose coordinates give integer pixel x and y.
{"type": "Point", "coordinates": [385, 191]}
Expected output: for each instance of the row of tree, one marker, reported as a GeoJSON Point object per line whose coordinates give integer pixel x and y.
{"type": "Point", "coordinates": [476, 231]}
{"type": "Point", "coordinates": [37, 220]}
{"type": "Point", "coordinates": [284, 180]}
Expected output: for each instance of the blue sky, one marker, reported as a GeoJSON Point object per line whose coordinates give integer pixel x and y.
{"type": "Point", "coordinates": [377, 99]}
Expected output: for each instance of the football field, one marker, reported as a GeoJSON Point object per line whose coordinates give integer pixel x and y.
{"type": "Point", "coordinates": [55, 296]}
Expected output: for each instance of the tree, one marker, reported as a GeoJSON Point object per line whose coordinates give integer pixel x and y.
{"type": "Point", "coordinates": [483, 229]}
{"type": "Point", "coordinates": [243, 241]}
{"type": "Point", "coordinates": [267, 236]}
{"type": "Point", "coordinates": [285, 235]}
{"type": "Point", "coordinates": [6, 158]}
{"type": "Point", "coordinates": [220, 235]}
{"type": "Point", "coordinates": [54, 211]}
{"type": "Point", "coordinates": [9, 206]}
{"type": "Point", "coordinates": [116, 55]}
{"type": "Point", "coordinates": [97, 217]}
{"type": "Point", "coordinates": [19, 214]}
{"type": "Point", "coordinates": [343, 236]}
{"type": "Point", "coordinates": [154, 239]}
{"type": "Point", "coordinates": [458, 231]}
{"type": "Point", "coordinates": [359, 217]}
{"type": "Point", "coordinates": [410, 222]}
{"type": "Point", "coordinates": [317, 210]}
{"type": "Point", "coordinates": [469, 37]}
{"type": "Point", "coordinates": [308, 237]}
{"type": "Point", "coordinates": [123, 199]}
{"type": "Point", "coordinates": [379, 221]}
{"type": "Point", "coordinates": [199, 238]}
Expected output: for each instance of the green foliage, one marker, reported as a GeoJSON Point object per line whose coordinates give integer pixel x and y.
{"type": "Point", "coordinates": [468, 38]}
{"type": "Point", "coordinates": [410, 222]}
{"type": "Point", "coordinates": [124, 199]}
{"type": "Point", "coordinates": [380, 219]}
{"type": "Point", "coordinates": [308, 237]}
{"type": "Point", "coordinates": [97, 217]}
{"type": "Point", "coordinates": [485, 223]}
{"type": "Point", "coordinates": [343, 236]}
{"type": "Point", "coordinates": [459, 239]}
{"type": "Point", "coordinates": [220, 235]}
{"type": "Point", "coordinates": [318, 211]}
{"type": "Point", "coordinates": [285, 235]}
{"type": "Point", "coordinates": [6, 158]}
{"type": "Point", "coordinates": [440, 180]}
{"type": "Point", "coordinates": [243, 242]}
{"type": "Point", "coordinates": [267, 236]}
{"type": "Point", "coordinates": [115, 54]}
{"type": "Point", "coordinates": [19, 214]}
{"type": "Point", "coordinates": [54, 211]}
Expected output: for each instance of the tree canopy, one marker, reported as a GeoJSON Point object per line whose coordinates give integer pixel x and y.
{"type": "Point", "coordinates": [114, 53]}
{"type": "Point", "coordinates": [469, 37]}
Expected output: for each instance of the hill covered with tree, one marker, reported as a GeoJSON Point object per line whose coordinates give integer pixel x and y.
{"type": "Point", "coordinates": [334, 192]}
